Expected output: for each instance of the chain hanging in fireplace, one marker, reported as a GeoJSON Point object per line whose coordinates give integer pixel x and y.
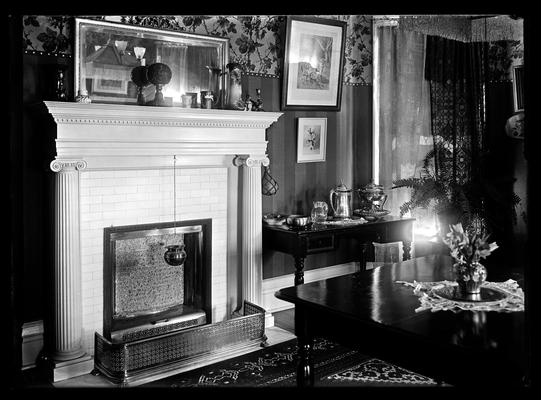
{"type": "Point", "coordinates": [175, 253]}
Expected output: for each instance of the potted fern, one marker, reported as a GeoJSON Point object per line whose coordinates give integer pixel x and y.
{"type": "Point", "coordinates": [454, 202]}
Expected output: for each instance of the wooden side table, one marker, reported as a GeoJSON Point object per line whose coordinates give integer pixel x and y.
{"type": "Point", "coordinates": [300, 242]}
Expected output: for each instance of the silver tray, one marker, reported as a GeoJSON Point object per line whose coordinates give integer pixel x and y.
{"type": "Point", "coordinates": [371, 215]}
{"type": "Point", "coordinates": [487, 295]}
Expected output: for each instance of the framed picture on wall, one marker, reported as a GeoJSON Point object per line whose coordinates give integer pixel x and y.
{"type": "Point", "coordinates": [311, 139]}
{"type": "Point", "coordinates": [313, 64]}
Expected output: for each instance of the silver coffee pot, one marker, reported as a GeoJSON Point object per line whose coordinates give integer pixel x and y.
{"type": "Point", "coordinates": [340, 199]}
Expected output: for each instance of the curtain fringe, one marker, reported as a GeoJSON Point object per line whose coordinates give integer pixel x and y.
{"type": "Point", "coordinates": [460, 28]}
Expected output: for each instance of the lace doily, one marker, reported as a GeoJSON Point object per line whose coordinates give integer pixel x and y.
{"type": "Point", "coordinates": [430, 300]}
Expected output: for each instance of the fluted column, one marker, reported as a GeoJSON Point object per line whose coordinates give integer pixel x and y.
{"type": "Point", "coordinates": [68, 337]}
{"type": "Point", "coordinates": [251, 225]}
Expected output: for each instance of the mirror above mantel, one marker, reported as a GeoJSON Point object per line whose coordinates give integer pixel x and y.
{"type": "Point", "coordinates": [107, 52]}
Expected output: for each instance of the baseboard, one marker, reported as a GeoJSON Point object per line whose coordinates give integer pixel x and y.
{"type": "Point", "coordinates": [32, 343]}
{"type": "Point", "coordinates": [271, 285]}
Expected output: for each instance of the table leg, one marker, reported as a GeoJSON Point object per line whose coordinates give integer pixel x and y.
{"type": "Point", "coordinates": [305, 343]}
{"type": "Point", "coordinates": [299, 273]}
{"type": "Point", "coordinates": [406, 247]}
{"type": "Point", "coordinates": [364, 255]}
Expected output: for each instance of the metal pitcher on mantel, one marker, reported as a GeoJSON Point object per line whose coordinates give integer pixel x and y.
{"type": "Point", "coordinates": [341, 201]}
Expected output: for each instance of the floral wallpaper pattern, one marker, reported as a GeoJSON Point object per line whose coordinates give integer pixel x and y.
{"type": "Point", "coordinates": [503, 55]}
{"type": "Point", "coordinates": [358, 50]}
{"type": "Point", "coordinates": [256, 42]}
{"type": "Point", "coordinates": [48, 34]}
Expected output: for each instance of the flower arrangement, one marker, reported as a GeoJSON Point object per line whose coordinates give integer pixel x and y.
{"type": "Point", "coordinates": [467, 248]}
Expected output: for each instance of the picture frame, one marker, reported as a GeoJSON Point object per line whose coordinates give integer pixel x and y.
{"type": "Point", "coordinates": [311, 139]}
{"type": "Point", "coordinates": [105, 53]}
{"type": "Point", "coordinates": [518, 87]}
{"type": "Point", "coordinates": [313, 64]}
{"type": "Point", "coordinates": [110, 86]}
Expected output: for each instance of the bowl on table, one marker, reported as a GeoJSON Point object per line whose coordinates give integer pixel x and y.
{"type": "Point", "coordinates": [297, 220]}
{"type": "Point", "coordinates": [274, 219]}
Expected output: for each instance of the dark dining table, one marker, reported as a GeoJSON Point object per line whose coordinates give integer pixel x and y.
{"type": "Point", "coordinates": [373, 313]}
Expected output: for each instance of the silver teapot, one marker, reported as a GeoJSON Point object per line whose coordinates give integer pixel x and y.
{"type": "Point", "coordinates": [372, 197]}
{"type": "Point", "coordinates": [340, 199]}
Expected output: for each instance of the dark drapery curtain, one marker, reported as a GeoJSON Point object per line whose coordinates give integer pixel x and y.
{"type": "Point", "coordinates": [457, 72]}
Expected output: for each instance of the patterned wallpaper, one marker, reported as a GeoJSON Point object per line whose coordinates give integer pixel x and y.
{"type": "Point", "coordinates": [49, 35]}
{"type": "Point", "coordinates": [256, 42]}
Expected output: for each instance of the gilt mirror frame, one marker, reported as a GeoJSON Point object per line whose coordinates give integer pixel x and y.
{"type": "Point", "coordinates": [104, 61]}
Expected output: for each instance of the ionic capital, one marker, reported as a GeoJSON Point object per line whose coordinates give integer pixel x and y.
{"type": "Point", "coordinates": [61, 165]}
{"type": "Point", "coordinates": [251, 161]}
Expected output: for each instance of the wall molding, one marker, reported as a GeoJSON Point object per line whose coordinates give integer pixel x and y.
{"type": "Point", "coordinates": [32, 343]}
{"type": "Point", "coordinates": [271, 285]}
{"type": "Point", "coordinates": [47, 53]}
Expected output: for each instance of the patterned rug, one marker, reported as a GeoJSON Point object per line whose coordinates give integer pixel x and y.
{"type": "Point", "coordinates": [275, 365]}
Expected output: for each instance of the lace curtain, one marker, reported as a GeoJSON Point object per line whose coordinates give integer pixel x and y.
{"type": "Point", "coordinates": [457, 75]}
{"type": "Point", "coordinates": [402, 99]}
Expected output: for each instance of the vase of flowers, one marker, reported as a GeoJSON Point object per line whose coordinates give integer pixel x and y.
{"type": "Point", "coordinates": [467, 249]}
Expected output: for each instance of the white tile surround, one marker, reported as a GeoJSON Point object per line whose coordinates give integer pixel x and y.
{"type": "Point", "coordinates": [129, 197]}
{"type": "Point", "coordinates": [115, 165]}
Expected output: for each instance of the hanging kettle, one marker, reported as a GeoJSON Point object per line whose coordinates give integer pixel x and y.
{"type": "Point", "coordinates": [340, 199]}
{"type": "Point", "coordinates": [175, 254]}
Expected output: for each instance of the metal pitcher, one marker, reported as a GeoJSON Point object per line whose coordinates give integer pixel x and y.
{"type": "Point", "coordinates": [340, 199]}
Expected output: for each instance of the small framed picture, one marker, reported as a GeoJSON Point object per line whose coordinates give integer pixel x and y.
{"type": "Point", "coordinates": [313, 64]}
{"type": "Point", "coordinates": [112, 86]}
{"type": "Point", "coordinates": [311, 139]}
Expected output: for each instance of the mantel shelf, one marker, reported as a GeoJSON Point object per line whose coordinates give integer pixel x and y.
{"type": "Point", "coordinates": [129, 136]}
{"type": "Point", "coordinates": [120, 114]}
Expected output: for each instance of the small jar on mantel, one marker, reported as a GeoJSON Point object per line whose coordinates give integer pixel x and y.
{"type": "Point", "coordinates": [234, 95]}
{"type": "Point", "coordinates": [83, 97]}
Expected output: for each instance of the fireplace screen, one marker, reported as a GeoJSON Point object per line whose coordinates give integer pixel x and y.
{"type": "Point", "coordinates": [144, 282]}
{"type": "Point", "coordinates": [145, 294]}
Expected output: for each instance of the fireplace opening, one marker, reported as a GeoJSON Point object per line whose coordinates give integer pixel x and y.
{"type": "Point", "coordinates": [143, 295]}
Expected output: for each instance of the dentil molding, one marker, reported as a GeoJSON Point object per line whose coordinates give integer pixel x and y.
{"type": "Point", "coordinates": [120, 114]}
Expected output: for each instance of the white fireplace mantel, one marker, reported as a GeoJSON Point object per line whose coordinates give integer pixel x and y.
{"type": "Point", "coordinates": [112, 137]}
{"type": "Point", "coordinates": [116, 136]}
